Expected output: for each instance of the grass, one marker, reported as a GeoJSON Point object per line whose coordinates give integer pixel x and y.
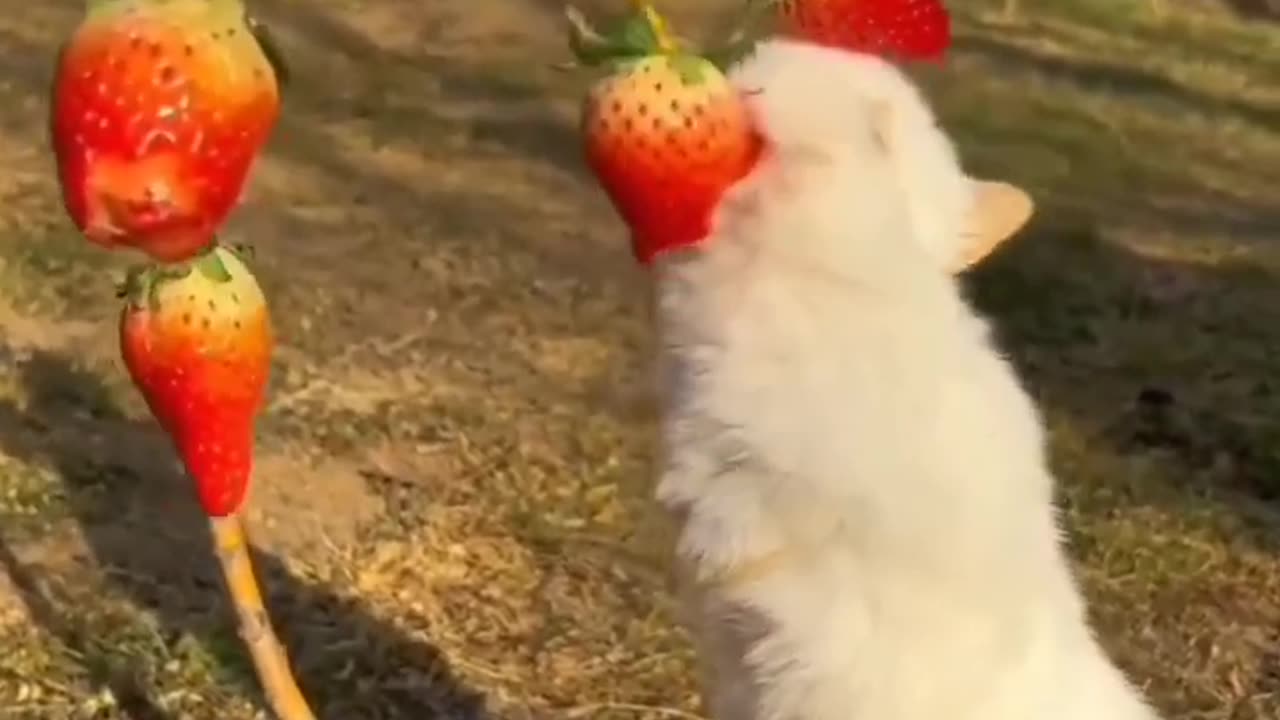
{"type": "Point", "coordinates": [452, 506]}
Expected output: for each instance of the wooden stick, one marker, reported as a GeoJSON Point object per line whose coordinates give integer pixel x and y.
{"type": "Point", "coordinates": [268, 654]}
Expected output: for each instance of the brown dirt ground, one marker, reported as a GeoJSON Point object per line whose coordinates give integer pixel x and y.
{"type": "Point", "coordinates": [452, 498]}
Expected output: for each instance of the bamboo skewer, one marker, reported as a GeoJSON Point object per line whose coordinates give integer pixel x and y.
{"type": "Point", "coordinates": [269, 658]}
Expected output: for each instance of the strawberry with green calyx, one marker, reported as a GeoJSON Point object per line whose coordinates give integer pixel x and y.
{"type": "Point", "coordinates": [159, 110]}
{"type": "Point", "coordinates": [894, 29]}
{"type": "Point", "coordinates": [196, 339]}
{"type": "Point", "coordinates": [197, 342]}
{"type": "Point", "coordinates": [665, 133]}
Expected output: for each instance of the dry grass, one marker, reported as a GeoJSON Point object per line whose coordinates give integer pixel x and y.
{"type": "Point", "coordinates": [452, 506]}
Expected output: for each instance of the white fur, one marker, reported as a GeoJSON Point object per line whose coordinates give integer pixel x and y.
{"type": "Point", "coordinates": [830, 396]}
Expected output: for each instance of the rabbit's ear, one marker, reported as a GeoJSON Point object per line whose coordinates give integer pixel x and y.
{"type": "Point", "coordinates": [998, 212]}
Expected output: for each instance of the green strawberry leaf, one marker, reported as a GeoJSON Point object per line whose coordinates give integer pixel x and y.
{"type": "Point", "coordinates": [211, 266]}
{"type": "Point", "coordinates": [589, 46]}
{"type": "Point", "coordinates": [639, 34]}
{"type": "Point", "coordinates": [691, 68]}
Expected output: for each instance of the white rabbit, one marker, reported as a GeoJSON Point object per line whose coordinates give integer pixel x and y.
{"type": "Point", "coordinates": [867, 520]}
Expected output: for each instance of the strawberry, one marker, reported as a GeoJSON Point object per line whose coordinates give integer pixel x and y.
{"type": "Point", "coordinates": [665, 134]}
{"type": "Point", "coordinates": [159, 109]}
{"type": "Point", "coordinates": [907, 29]}
{"type": "Point", "coordinates": [197, 341]}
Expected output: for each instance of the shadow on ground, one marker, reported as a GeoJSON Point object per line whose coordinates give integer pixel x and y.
{"type": "Point", "coordinates": [43, 609]}
{"type": "Point", "coordinates": [1123, 346]}
{"type": "Point", "coordinates": [143, 529]}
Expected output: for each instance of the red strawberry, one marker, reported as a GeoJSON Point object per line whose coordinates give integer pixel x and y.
{"type": "Point", "coordinates": [197, 342]}
{"type": "Point", "coordinates": [908, 29]}
{"type": "Point", "coordinates": [665, 135]}
{"type": "Point", "coordinates": [159, 108]}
